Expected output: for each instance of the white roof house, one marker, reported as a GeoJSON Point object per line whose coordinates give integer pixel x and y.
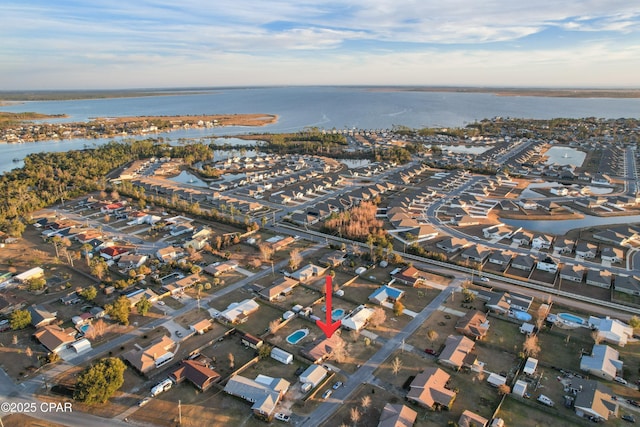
{"type": "Point", "coordinates": [530, 366]}
{"type": "Point", "coordinates": [238, 312]}
{"type": "Point", "coordinates": [313, 375]}
{"type": "Point", "coordinates": [358, 318]}
{"type": "Point", "coordinates": [519, 388]}
{"type": "Point", "coordinates": [603, 362]}
{"type": "Point", "coordinates": [29, 274]}
{"type": "Point", "coordinates": [612, 330]}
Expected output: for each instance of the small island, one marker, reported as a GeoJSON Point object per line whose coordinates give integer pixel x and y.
{"type": "Point", "coordinates": [18, 128]}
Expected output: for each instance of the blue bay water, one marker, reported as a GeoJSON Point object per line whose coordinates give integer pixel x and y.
{"type": "Point", "coordinates": [322, 107]}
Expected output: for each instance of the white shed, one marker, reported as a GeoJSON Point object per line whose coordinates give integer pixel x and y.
{"type": "Point", "coordinates": [313, 375]}
{"type": "Point", "coordinates": [530, 366]}
{"type": "Point", "coordinates": [281, 355]}
{"type": "Point", "coordinates": [81, 346]}
{"type": "Point", "coordinates": [496, 380]}
{"type": "Point", "coordinates": [527, 328]}
{"type": "Point", "coordinates": [519, 388]}
{"type": "Point", "coordinates": [361, 270]}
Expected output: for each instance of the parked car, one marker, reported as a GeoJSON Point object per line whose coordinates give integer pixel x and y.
{"type": "Point", "coordinates": [299, 371]}
{"type": "Point", "coordinates": [337, 385]}
{"type": "Point", "coordinates": [484, 279]}
{"type": "Point", "coordinates": [327, 393]}
{"type": "Point", "coordinates": [144, 401]}
{"type": "Point", "coordinates": [633, 402]}
{"type": "Point", "coordinates": [430, 351]}
{"type": "Point", "coordinates": [282, 417]}
{"type": "Point", "coordinates": [629, 418]}
{"type": "Point", "coordinates": [621, 380]}
{"type": "Point", "coordinates": [545, 400]}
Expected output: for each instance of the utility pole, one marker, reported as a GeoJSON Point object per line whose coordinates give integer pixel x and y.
{"type": "Point", "coordinates": [179, 412]}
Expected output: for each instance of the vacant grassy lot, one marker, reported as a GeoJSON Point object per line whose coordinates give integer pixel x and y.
{"type": "Point", "coordinates": [518, 414]}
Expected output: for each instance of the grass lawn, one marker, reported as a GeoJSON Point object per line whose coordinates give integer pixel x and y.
{"type": "Point", "coordinates": [23, 420]}
{"type": "Point", "coordinates": [515, 413]}
{"type": "Point", "coordinates": [442, 323]}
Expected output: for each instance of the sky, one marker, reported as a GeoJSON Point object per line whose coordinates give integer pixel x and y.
{"type": "Point", "coordinates": [111, 44]}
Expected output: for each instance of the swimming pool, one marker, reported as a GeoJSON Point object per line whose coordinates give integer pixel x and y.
{"type": "Point", "coordinates": [571, 318]}
{"type": "Point", "coordinates": [336, 314]}
{"type": "Point", "coordinates": [84, 328]}
{"type": "Point", "coordinates": [297, 336]}
{"type": "Point", "coordinates": [521, 315]}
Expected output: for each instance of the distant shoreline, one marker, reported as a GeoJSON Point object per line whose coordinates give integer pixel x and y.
{"type": "Point", "coordinates": [540, 92]}
{"type": "Point", "coordinates": [12, 97]}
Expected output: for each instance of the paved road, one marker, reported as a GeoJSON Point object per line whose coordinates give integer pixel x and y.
{"type": "Point", "coordinates": [364, 375]}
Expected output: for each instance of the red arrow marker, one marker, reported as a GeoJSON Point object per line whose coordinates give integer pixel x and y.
{"type": "Point", "coordinates": [327, 327]}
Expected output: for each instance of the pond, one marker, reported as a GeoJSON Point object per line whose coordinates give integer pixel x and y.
{"type": "Point", "coordinates": [560, 227]}
{"type": "Point", "coordinates": [237, 141]}
{"type": "Point", "coordinates": [564, 156]}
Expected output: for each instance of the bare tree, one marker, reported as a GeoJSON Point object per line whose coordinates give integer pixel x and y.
{"type": "Point", "coordinates": [339, 350]}
{"type": "Point", "coordinates": [530, 347]}
{"type": "Point", "coordinates": [378, 317]}
{"type": "Point", "coordinates": [504, 389]}
{"type": "Point", "coordinates": [96, 330]}
{"type": "Point", "coordinates": [266, 251]}
{"type": "Point", "coordinates": [365, 402]}
{"type": "Point", "coordinates": [396, 365]}
{"type": "Point", "coordinates": [354, 335]}
{"type": "Point", "coordinates": [355, 415]}
{"type": "Point", "coordinates": [432, 335]}
{"type": "Point", "coordinates": [28, 352]}
{"type": "Point", "coordinates": [232, 361]}
{"type": "Point", "coordinates": [14, 340]}
{"type": "Point", "coordinates": [274, 325]}
{"type": "Point", "coordinates": [295, 258]}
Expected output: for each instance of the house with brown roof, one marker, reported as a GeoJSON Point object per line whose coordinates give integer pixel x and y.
{"type": "Point", "coordinates": [471, 419]}
{"type": "Point", "coordinates": [593, 399]}
{"type": "Point", "coordinates": [197, 373]}
{"type": "Point", "coordinates": [428, 389]}
{"type": "Point", "coordinates": [201, 327]}
{"type": "Point", "coordinates": [457, 352]}
{"type": "Point", "coordinates": [474, 325]}
{"type": "Point", "coordinates": [321, 349]}
{"type": "Point", "coordinates": [219, 268]}
{"type": "Point", "coordinates": [281, 286]}
{"type": "Point", "coordinates": [410, 276]}
{"type": "Point", "coordinates": [54, 338]}
{"type": "Point", "coordinates": [397, 416]}
{"type": "Point", "coordinates": [156, 355]}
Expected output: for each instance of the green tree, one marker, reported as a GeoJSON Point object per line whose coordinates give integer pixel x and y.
{"type": "Point", "coordinates": [20, 319]}
{"type": "Point", "coordinates": [634, 322]}
{"type": "Point", "coordinates": [99, 382]}
{"type": "Point", "coordinates": [36, 284]}
{"type": "Point", "coordinates": [265, 351]}
{"type": "Point", "coordinates": [89, 293]}
{"type": "Point", "coordinates": [143, 306]}
{"type": "Point", "coordinates": [119, 310]}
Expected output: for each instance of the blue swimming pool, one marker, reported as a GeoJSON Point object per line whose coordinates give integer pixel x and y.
{"type": "Point", "coordinates": [297, 336]}
{"type": "Point", "coordinates": [571, 318]}
{"type": "Point", "coordinates": [336, 314]}
{"type": "Point", "coordinates": [84, 328]}
{"type": "Point", "coordinates": [521, 315]}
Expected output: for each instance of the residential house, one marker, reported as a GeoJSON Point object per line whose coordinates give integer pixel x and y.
{"type": "Point", "coordinates": [572, 272]}
{"type": "Point", "coordinates": [600, 278]}
{"type": "Point", "coordinates": [308, 272]}
{"type": "Point", "coordinates": [154, 356]}
{"type": "Point", "coordinates": [239, 312]}
{"type": "Point", "coordinates": [528, 204]}
{"type": "Point", "coordinates": [333, 259]}
{"type": "Point", "coordinates": [251, 341]}
{"type": "Point", "coordinates": [428, 389]}
{"type": "Point", "coordinates": [471, 419]}
{"type": "Point", "coordinates": [523, 262]}
{"type": "Point", "coordinates": [386, 294]}
{"type": "Point", "coordinates": [586, 250]}
{"type": "Point", "coordinates": [613, 331]}
{"type": "Point", "coordinates": [197, 373]}
{"type": "Point", "coordinates": [612, 236]}
{"type": "Point", "coordinates": [548, 264]}
{"type": "Point", "coordinates": [564, 246]}
{"type": "Point", "coordinates": [262, 393]}
{"type": "Point", "coordinates": [410, 276]}
{"type": "Point", "coordinates": [476, 253]}
{"type": "Point", "coordinates": [627, 284]}
{"type": "Point", "coordinates": [218, 268]}
{"type": "Point", "coordinates": [132, 260]}
{"type": "Point", "coordinates": [457, 352]}
{"type": "Point", "coordinates": [397, 415]}
{"type": "Point", "coordinates": [54, 338]}
{"type": "Point", "coordinates": [40, 316]}
{"type": "Point", "coordinates": [358, 318]}
{"type": "Point", "coordinates": [541, 241]}
{"type": "Point", "coordinates": [604, 362]}
{"type": "Point", "coordinates": [320, 349]}
{"type": "Point", "coordinates": [313, 375]}
{"type": "Point", "coordinates": [182, 284]}
{"type": "Point", "coordinates": [10, 303]}
{"type": "Point", "coordinates": [113, 253]}
{"type": "Point", "coordinates": [34, 273]}
{"type": "Point", "coordinates": [451, 244]}
{"type": "Point", "coordinates": [201, 327]}
{"type": "Point", "coordinates": [522, 238]}
{"type": "Point", "coordinates": [611, 254]}
{"type": "Point", "coordinates": [501, 257]}
{"type": "Point", "coordinates": [593, 399]}
{"type": "Point", "coordinates": [169, 253]}
{"type": "Point", "coordinates": [474, 325]}
{"type": "Point", "coordinates": [279, 287]}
